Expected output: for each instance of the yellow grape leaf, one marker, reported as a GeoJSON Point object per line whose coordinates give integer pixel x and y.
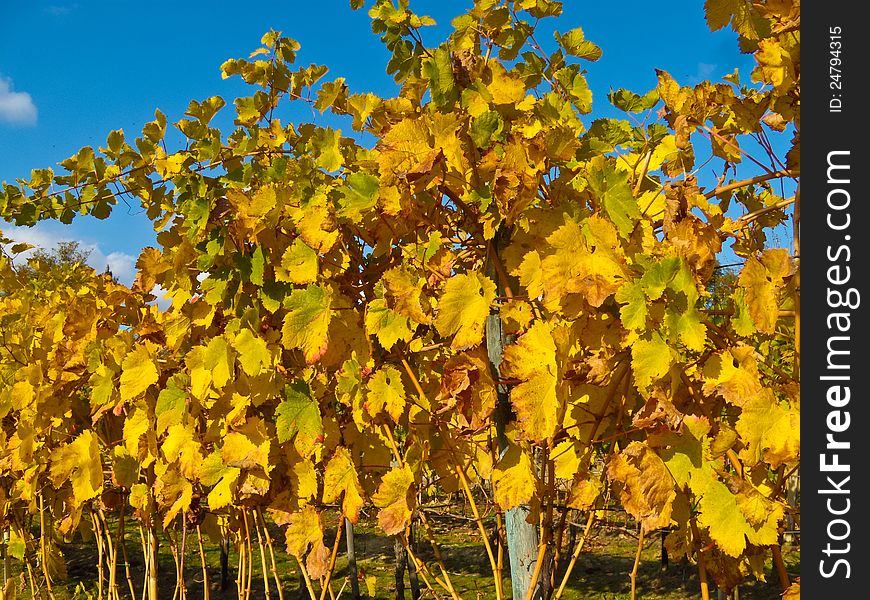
{"type": "Point", "coordinates": [137, 424]}
{"type": "Point", "coordinates": [583, 261]}
{"type": "Point", "coordinates": [150, 265]}
{"type": "Point", "coordinates": [218, 360]}
{"type": "Point", "coordinates": [168, 165]}
{"type": "Point", "coordinates": [340, 476]}
{"type": "Point", "coordinates": [386, 324]}
{"type": "Point", "coordinates": [298, 264]}
{"type": "Point", "coordinates": [171, 403]}
{"type": "Point", "coordinates": [181, 445]}
{"type": "Point", "coordinates": [247, 448]}
{"type": "Point", "coordinates": [793, 592]}
{"type": "Point", "coordinates": [513, 480]}
{"type": "Point", "coordinates": [405, 149]}
{"type": "Point", "coordinates": [566, 458]}
{"type": "Point", "coordinates": [516, 315]}
{"type": "Point", "coordinates": [125, 468]}
{"type": "Point", "coordinates": [210, 364]}
{"type": "Point", "coordinates": [79, 463]}
{"type": "Point", "coordinates": [650, 359]}
{"type": "Point", "coordinates": [303, 480]}
{"type": "Point", "coordinates": [775, 65]}
{"type": "Point", "coordinates": [303, 530]}
{"type": "Point", "coordinates": [23, 394]}
{"type": "Point", "coordinates": [733, 374]}
{"type": "Point", "coordinates": [395, 498]}
{"type": "Point", "coordinates": [506, 88]}
{"type": "Point", "coordinates": [261, 201]}
{"type": "Point", "coordinates": [719, 512]}
{"type": "Point", "coordinates": [686, 453]}
{"type": "Point", "coordinates": [403, 291]}
{"type": "Point", "coordinates": [138, 373]}
{"type": "Point", "coordinates": [298, 418]}
{"type": "Point", "coordinates": [532, 360]}
{"type": "Point", "coordinates": [214, 473]}
{"type": "Point", "coordinates": [647, 491]}
{"type": "Point", "coordinates": [316, 226]}
{"type": "Point", "coordinates": [173, 493]}
{"type": "Point", "coordinates": [761, 279]}
{"type": "Point", "coordinates": [252, 352]}
{"type": "Point", "coordinates": [770, 431]}
{"type": "Point", "coordinates": [385, 392]}
{"type": "Point", "coordinates": [463, 308]}
{"type": "Point", "coordinates": [584, 492]}
{"type": "Point", "coordinates": [371, 585]}
{"type": "Point", "coordinates": [307, 321]}
{"type": "Point", "coordinates": [327, 148]}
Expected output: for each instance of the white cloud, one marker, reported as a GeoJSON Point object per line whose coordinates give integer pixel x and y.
{"type": "Point", "coordinates": [59, 10]}
{"type": "Point", "coordinates": [705, 70]}
{"type": "Point", "coordinates": [122, 265]}
{"type": "Point", "coordinates": [16, 108]}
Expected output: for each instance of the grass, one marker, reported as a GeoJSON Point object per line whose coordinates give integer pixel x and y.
{"type": "Point", "coordinates": [601, 573]}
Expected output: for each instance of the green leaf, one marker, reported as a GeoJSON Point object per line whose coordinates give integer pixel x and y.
{"type": "Point", "coordinates": [171, 403]}
{"type": "Point", "coordinates": [438, 70]}
{"type": "Point", "coordinates": [252, 352]}
{"type": "Point", "coordinates": [576, 44]}
{"type": "Point", "coordinates": [628, 101]}
{"type": "Point", "coordinates": [484, 127]}
{"type": "Point", "coordinates": [610, 186]}
{"type": "Point", "coordinates": [633, 314]}
{"type": "Point", "coordinates": [386, 324]}
{"type": "Point", "coordinates": [298, 264]}
{"type": "Point", "coordinates": [358, 195]}
{"type": "Point", "coordinates": [575, 84]}
{"type": "Point", "coordinates": [298, 418]}
{"type": "Point", "coordinates": [307, 321]}
{"type": "Point", "coordinates": [327, 148]}
{"type": "Point", "coordinates": [650, 359]}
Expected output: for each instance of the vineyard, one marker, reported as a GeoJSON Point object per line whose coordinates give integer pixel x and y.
{"type": "Point", "coordinates": [480, 344]}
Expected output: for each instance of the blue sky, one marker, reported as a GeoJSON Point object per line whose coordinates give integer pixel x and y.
{"type": "Point", "coordinates": [70, 72]}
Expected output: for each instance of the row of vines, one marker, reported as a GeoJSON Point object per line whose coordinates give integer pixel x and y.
{"type": "Point", "coordinates": [498, 294]}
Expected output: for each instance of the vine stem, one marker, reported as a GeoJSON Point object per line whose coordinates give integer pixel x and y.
{"type": "Point", "coordinates": [308, 585]}
{"type": "Point", "coordinates": [796, 239]}
{"type": "Point", "coordinates": [122, 542]}
{"type": "Point", "coordinates": [205, 586]}
{"type": "Point", "coordinates": [748, 218]}
{"type": "Point", "coordinates": [98, 536]}
{"type": "Point", "coordinates": [577, 550]}
{"type": "Point", "coordinates": [332, 558]}
{"type": "Point", "coordinates": [460, 474]}
{"type": "Point", "coordinates": [448, 585]}
{"type": "Point", "coordinates": [423, 569]}
{"type": "Point", "coordinates": [262, 555]}
{"type": "Point", "coordinates": [250, 558]}
{"type": "Point", "coordinates": [702, 567]}
{"type": "Point", "coordinates": [274, 566]}
{"type": "Point", "coordinates": [633, 574]}
{"type": "Point", "coordinates": [721, 189]}
{"type": "Point", "coordinates": [43, 546]}
{"type": "Point", "coordinates": [780, 567]}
